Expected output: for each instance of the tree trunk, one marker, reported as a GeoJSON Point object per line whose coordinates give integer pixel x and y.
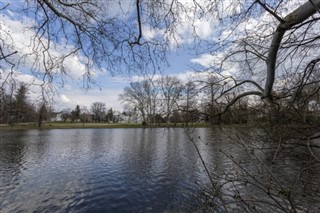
{"type": "Point", "coordinates": [298, 16]}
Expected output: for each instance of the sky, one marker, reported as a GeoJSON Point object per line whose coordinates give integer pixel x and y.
{"type": "Point", "coordinates": [107, 87]}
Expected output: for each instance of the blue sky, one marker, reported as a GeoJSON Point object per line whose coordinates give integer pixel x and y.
{"type": "Point", "coordinates": [107, 89]}
{"type": "Point", "coordinates": [72, 93]}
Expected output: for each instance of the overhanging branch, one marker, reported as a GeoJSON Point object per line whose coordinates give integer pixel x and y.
{"type": "Point", "coordinates": [258, 93]}
{"type": "Point", "coordinates": [298, 16]}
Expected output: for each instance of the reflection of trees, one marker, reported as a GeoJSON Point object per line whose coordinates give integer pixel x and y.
{"type": "Point", "coordinates": [12, 159]}
{"type": "Point", "coordinates": [13, 149]}
{"type": "Point", "coordinates": [248, 175]}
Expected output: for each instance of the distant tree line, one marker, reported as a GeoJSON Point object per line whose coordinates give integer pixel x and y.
{"type": "Point", "coordinates": [16, 107]}
{"type": "Point", "coordinates": [210, 98]}
{"type": "Point", "coordinates": [214, 99]}
{"type": "Point", "coordinates": [97, 113]}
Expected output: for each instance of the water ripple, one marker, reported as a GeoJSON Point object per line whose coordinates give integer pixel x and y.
{"type": "Point", "coordinates": [113, 170]}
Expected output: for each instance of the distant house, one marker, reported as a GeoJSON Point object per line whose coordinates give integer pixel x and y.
{"type": "Point", "coordinates": [56, 117]}
{"type": "Point", "coordinates": [127, 117]}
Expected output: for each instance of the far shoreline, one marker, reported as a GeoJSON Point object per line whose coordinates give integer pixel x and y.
{"type": "Point", "coordinates": [68, 125]}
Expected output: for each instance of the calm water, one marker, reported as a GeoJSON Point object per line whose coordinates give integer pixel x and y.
{"type": "Point", "coordinates": [112, 170]}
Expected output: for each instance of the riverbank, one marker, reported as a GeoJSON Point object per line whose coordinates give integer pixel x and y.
{"type": "Point", "coordinates": [61, 125]}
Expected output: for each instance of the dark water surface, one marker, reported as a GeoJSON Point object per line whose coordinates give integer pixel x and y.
{"type": "Point", "coordinates": [107, 170]}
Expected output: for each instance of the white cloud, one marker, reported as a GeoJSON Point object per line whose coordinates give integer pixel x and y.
{"type": "Point", "coordinates": [17, 30]}
{"type": "Point", "coordinates": [65, 99]}
{"type": "Point", "coordinates": [85, 98]}
{"type": "Point", "coordinates": [205, 60]}
{"type": "Point", "coordinates": [38, 91]}
{"type": "Point", "coordinates": [19, 35]}
{"type": "Point", "coordinates": [150, 33]}
{"type": "Point", "coordinates": [203, 28]}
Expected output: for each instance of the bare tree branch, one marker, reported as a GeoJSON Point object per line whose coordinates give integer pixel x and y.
{"type": "Point", "coordinates": [239, 97]}
{"type": "Point", "coordinates": [273, 13]}
{"type": "Point", "coordinates": [8, 55]}
{"type": "Point", "coordinates": [299, 15]}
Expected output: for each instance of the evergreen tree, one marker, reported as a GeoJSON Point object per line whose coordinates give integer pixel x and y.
{"type": "Point", "coordinates": [110, 115]}
{"type": "Point", "coordinates": [21, 103]}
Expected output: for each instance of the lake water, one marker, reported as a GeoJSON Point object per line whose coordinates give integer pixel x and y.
{"type": "Point", "coordinates": [127, 170]}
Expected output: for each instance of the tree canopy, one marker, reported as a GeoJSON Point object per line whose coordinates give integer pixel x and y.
{"type": "Point", "coordinates": [259, 38]}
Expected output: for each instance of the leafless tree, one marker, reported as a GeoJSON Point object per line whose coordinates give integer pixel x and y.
{"type": "Point", "coordinates": [99, 111]}
{"type": "Point", "coordinates": [141, 96]}
{"type": "Point", "coordinates": [189, 101]}
{"type": "Point", "coordinates": [171, 91]}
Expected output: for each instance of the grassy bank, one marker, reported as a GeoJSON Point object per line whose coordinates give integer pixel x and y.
{"type": "Point", "coordinates": [60, 125]}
